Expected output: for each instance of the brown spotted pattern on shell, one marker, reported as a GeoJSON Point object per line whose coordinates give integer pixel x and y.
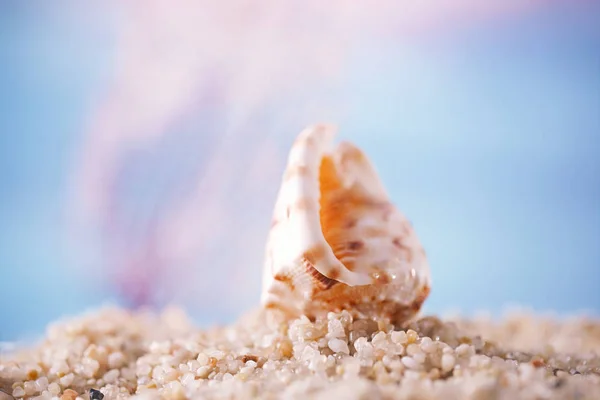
{"type": "Point", "coordinates": [337, 241]}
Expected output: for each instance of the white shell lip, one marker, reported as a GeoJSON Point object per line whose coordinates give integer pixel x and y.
{"type": "Point", "coordinates": [336, 240]}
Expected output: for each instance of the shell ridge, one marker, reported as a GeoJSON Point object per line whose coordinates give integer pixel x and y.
{"type": "Point", "coordinates": [358, 169]}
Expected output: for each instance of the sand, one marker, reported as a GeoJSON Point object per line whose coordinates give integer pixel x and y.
{"type": "Point", "coordinates": [125, 354]}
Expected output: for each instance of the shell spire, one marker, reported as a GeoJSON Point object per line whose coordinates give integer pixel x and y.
{"type": "Point", "coordinates": [336, 240]}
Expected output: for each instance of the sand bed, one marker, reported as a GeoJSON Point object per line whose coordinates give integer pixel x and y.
{"type": "Point", "coordinates": [124, 354]}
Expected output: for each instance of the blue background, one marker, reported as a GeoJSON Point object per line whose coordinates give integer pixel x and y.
{"type": "Point", "coordinates": [488, 139]}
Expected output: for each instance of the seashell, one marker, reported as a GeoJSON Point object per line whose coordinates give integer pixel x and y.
{"type": "Point", "coordinates": [336, 241]}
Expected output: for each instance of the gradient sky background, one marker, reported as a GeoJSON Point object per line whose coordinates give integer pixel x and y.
{"type": "Point", "coordinates": [141, 148]}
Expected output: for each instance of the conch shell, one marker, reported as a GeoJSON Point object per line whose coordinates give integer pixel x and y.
{"type": "Point", "coordinates": [336, 241]}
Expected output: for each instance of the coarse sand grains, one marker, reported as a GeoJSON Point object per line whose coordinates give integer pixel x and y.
{"type": "Point", "coordinates": [123, 354]}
